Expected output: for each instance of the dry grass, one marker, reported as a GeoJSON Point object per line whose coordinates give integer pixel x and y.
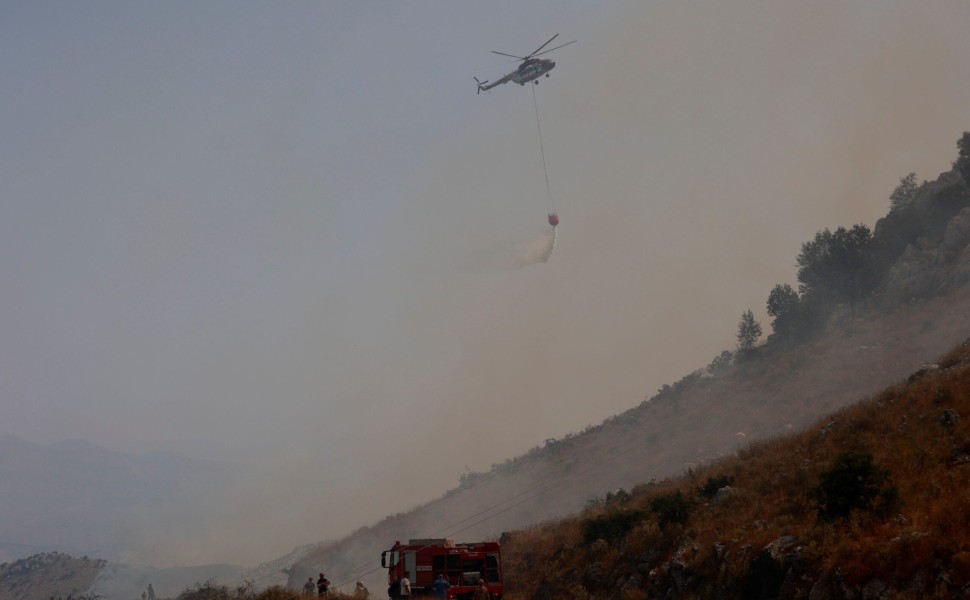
{"type": "Point", "coordinates": [906, 431]}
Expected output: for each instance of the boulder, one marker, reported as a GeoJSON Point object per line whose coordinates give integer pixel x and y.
{"type": "Point", "coordinates": [774, 571]}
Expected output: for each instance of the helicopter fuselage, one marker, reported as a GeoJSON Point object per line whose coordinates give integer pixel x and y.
{"type": "Point", "coordinates": [531, 69]}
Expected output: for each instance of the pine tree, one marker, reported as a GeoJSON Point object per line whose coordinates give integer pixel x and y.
{"type": "Point", "coordinates": [749, 331]}
{"type": "Point", "coordinates": [962, 163]}
{"type": "Point", "coordinates": [904, 192]}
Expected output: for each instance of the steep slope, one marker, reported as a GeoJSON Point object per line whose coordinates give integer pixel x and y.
{"type": "Point", "coordinates": [695, 421]}
{"type": "Point", "coordinates": [708, 414]}
{"type": "Point", "coordinates": [869, 503]}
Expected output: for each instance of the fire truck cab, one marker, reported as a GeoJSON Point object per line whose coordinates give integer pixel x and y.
{"type": "Point", "coordinates": [462, 564]}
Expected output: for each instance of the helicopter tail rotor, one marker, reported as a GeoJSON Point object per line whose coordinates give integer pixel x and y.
{"type": "Point", "coordinates": [481, 85]}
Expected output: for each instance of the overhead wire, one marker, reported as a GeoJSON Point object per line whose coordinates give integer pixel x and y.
{"type": "Point", "coordinates": [605, 456]}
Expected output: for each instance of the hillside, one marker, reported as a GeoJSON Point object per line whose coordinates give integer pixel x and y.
{"type": "Point", "coordinates": [916, 307]}
{"type": "Point", "coordinates": [48, 575]}
{"type": "Point", "coordinates": [702, 419]}
{"type": "Point", "coordinates": [870, 502]}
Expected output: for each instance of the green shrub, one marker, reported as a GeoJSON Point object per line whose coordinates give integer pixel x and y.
{"type": "Point", "coordinates": [671, 508]}
{"type": "Point", "coordinates": [854, 482]}
{"type": "Point", "coordinates": [619, 497]}
{"type": "Point", "coordinates": [714, 484]}
{"type": "Point", "coordinates": [612, 526]}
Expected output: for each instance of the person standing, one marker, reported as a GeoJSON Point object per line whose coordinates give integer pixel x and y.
{"type": "Point", "coordinates": [323, 585]}
{"type": "Point", "coordinates": [361, 592]}
{"type": "Point", "coordinates": [440, 586]}
{"type": "Point", "coordinates": [151, 592]}
{"type": "Point", "coordinates": [481, 592]}
{"type": "Point", "coordinates": [308, 587]}
{"type": "Point", "coordinates": [406, 585]}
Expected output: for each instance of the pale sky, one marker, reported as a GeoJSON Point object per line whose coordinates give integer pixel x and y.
{"type": "Point", "coordinates": [278, 234]}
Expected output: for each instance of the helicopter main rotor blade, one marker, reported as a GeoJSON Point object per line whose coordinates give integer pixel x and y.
{"type": "Point", "coordinates": [542, 46]}
{"type": "Point", "coordinates": [512, 55]}
{"type": "Point", "coordinates": [556, 48]}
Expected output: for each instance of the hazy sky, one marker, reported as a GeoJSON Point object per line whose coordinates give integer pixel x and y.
{"type": "Point", "coordinates": [279, 233]}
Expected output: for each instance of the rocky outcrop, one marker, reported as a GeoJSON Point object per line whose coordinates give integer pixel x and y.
{"type": "Point", "coordinates": [926, 269]}
{"type": "Point", "coordinates": [775, 570]}
{"type": "Point", "coordinates": [939, 260]}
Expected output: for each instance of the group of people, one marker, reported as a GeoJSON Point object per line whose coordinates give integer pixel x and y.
{"type": "Point", "coordinates": [322, 586]}
{"type": "Point", "coordinates": [401, 588]}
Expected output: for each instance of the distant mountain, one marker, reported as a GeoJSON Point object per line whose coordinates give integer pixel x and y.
{"type": "Point", "coordinates": [48, 575]}
{"type": "Point", "coordinates": [59, 575]}
{"type": "Point", "coordinates": [79, 498]}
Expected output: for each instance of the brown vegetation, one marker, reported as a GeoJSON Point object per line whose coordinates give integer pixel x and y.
{"type": "Point", "coordinates": [917, 434]}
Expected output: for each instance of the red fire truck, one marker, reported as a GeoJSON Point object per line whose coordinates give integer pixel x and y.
{"type": "Point", "coordinates": [462, 564]}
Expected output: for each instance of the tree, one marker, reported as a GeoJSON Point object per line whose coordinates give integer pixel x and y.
{"type": "Point", "coordinates": [904, 192]}
{"type": "Point", "coordinates": [721, 362]}
{"type": "Point", "coordinates": [749, 331]}
{"type": "Point", "coordinates": [962, 164]}
{"type": "Point", "coordinates": [837, 266]}
{"type": "Point", "coordinates": [783, 305]}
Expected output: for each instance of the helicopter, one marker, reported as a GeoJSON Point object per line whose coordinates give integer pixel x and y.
{"type": "Point", "coordinates": [531, 69]}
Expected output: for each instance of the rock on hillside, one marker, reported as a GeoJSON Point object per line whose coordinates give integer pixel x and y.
{"type": "Point", "coordinates": [933, 233]}
{"type": "Point", "coordinates": [48, 575]}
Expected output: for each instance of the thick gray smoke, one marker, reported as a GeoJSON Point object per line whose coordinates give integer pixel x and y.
{"type": "Point", "coordinates": [309, 286]}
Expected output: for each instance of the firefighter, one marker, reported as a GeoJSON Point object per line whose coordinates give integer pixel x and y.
{"type": "Point", "coordinates": [440, 586]}
{"type": "Point", "coordinates": [481, 592]}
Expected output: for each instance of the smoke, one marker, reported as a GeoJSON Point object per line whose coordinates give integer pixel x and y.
{"type": "Point", "coordinates": [367, 338]}
{"type": "Point", "coordinates": [694, 148]}
{"type": "Point", "coordinates": [537, 251]}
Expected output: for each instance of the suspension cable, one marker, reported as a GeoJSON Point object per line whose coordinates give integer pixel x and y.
{"type": "Point", "coordinates": [542, 150]}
